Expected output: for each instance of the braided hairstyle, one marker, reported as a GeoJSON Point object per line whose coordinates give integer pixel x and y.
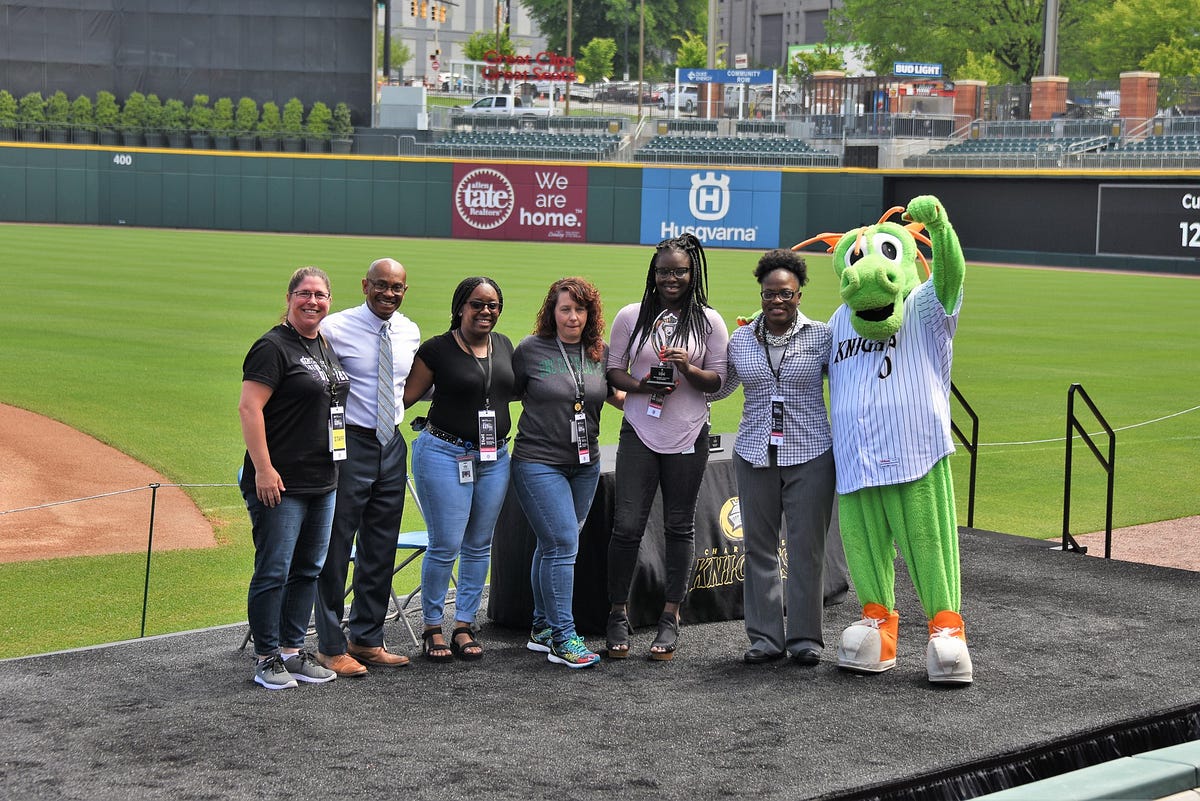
{"type": "Point", "coordinates": [463, 291]}
{"type": "Point", "coordinates": [693, 323]}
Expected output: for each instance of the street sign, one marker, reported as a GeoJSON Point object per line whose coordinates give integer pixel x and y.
{"type": "Point", "coordinates": [741, 61]}
{"type": "Point", "coordinates": [437, 65]}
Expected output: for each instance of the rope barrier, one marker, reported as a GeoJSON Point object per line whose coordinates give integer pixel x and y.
{"type": "Point", "coordinates": [1095, 434]}
{"type": "Point", "coordinates": [104, 495]}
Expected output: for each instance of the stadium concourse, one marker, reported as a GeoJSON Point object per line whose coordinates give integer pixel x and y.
{"type": "Point", "coordinates": [1077, 661]}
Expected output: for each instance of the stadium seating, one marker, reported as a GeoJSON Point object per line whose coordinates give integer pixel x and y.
{"type": "Point", "coordinates": [526, 144]}
{"type": "Point", "coordinates": [734, 150]}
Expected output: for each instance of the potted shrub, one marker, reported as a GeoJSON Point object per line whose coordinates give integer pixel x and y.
{"type": "Point", "coordinates": [133, 119]}
{"type": "Point", "coordinates": [153, 120]}
{"type": "Point", "coordinates": [245, 120]}
{"type": "Point", "coordinates": [8, 116]}
{"type": "Point", "coordinates": [31, 116]}
{"type": "Point", "coordinates": [269, 127]}
{"type": "Point", "coordinates": [83, 121]}
{"type": "Point", "coordinates": [293, 125]}
{"type": "Point", "coordinates": [318, 127]}
{"type": "Point", "coordinates": [108, 115]}
{"type": "Point", "coordinates": [343, 131]}
{"type": "Point", "coordinates": [58, 118]}
{"type": "Point", "coordinates": [222, 124]}
{"type": "Point", "coordinates": [174, 123]}
{"type": "Point", "coordinates": [199, 122]}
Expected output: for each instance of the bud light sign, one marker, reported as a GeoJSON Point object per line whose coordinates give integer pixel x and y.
{"type": "Point", "coordinates": [722, 208]}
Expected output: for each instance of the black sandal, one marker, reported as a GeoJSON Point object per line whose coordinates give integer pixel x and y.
{"type": "Point", "coordinates": [616, 635]}
{"type": "Point", "coordinates": [667, 639]}
{"type": "Point", "coordinates": [429, 648]}
{"type": "Point", "coordinates": [460, 650]}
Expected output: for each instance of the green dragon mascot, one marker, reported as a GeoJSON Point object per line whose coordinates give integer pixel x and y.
{"type": "Point", "coordinates": [889, 389]}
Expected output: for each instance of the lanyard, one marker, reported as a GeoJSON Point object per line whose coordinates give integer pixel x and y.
{"type": "Point", "coordinates": [324, 363]}
{"type": "Point", "coordinates": [776, 371]}
{"type": "Point", "coordinates": [487, 374]}
{"type": "Point", "coordinates": [577, 378]}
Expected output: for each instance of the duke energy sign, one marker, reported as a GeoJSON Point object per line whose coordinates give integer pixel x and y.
{"type": "Point", "coordinates": [722, 208]}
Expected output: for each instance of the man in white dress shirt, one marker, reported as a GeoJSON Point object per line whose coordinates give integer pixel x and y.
{"type": "Point", "coordinates": [371, 484]}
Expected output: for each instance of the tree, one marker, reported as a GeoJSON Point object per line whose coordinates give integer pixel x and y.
{"type": "Point", "coordinates": [319, 122]}
{"type": "Point", "coordinates": [246, 116]}
{"type": "Point", "coordinates": [222, 119]}
{"type": "Point", "coordinates": [58, 110]}
{"type": "Point", "coordinates": [401, 53]}
{"type": "Point", "coordinates": [943, 31]}
{"type": "Point", "coordinates": [481, 42]}
{"type": "Point", "coordinates": [822, 57]}
{"type": "Point", "coordinates": [1127, 35]}
{"type": "Point", "coordinates": [596, 59]}
{"type": "Point", "coordinates": [664, 18]}
{"type": "Point", "coordinates": [107, 112]}
{"type": "Point", "coordinates": [133, 113]}
{"type": "Point", "coordinates": [199, 115]}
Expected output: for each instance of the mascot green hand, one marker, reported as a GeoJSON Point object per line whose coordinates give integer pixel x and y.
{"type": "Point", "coordinates": [889, 391]}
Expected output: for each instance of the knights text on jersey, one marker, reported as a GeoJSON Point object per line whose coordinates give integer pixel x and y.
{"type": "Point", "coordinates": [890, 401]}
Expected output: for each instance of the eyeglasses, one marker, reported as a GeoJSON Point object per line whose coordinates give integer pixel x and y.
{"type": "Point", "coordinates": [783, 294]}
{"type": "Point", "coordinates": [384, 286]}
{"type": "Point", "coordinates": [308, 294]}
{"type": "Point", "coordinates": [480, 305]}
{"type": "Point", "coordinates": [673, 272]}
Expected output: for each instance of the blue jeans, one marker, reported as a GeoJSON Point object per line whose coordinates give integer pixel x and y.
{"type": "Point", "coordinates": [290, 542]}
{"type": "Point", "coordinates": [460, 519]}
{"type": "Point", "coordinates": [556, 501]}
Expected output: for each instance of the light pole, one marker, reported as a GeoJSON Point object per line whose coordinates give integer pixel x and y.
{"type": "Point", "coordinates": [641, 51]}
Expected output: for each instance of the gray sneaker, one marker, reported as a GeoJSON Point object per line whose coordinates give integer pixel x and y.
{"type": "Point", "coordinates": [271, 674]}
{"type": "Point", "coordinates": [304, 667]}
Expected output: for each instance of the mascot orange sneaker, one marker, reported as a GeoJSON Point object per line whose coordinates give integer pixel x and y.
{"type": "Point", "coordinates": [946, 658]}
{"type": "Point", "coordinates": [869, 646]}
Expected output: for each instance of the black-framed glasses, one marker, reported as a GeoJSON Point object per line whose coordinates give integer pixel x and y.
{"type": "Point", "coordinates": [308, 294]}
{"type": "Point", "coordinates": [783, 294]}
{"type": "Point", "coordinates": [672, 272]}
{"type": "Point", "coordinates": [384, 286]}
{"type": "Point", "coordinates": [480, 305]}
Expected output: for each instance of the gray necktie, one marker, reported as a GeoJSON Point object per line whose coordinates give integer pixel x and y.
{"type": "Point", "coordinates": [385, 391]}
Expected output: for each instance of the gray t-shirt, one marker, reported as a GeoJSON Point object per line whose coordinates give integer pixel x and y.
{"type": "Point", "coordinates": [548, 391]}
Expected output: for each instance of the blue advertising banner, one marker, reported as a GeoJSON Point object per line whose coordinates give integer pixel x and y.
{"type": "Point", "coordinates": [723, 208]}
{"type": "Point", "coordinates": [724, 76]}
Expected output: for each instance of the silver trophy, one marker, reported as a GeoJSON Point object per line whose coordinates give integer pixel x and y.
{"type": "Point", "coordinates": [662, 333]}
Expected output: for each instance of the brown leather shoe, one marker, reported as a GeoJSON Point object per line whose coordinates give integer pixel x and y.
{"type": "Point", "coordinates": [377, 656]}
{"type": "Point", "coordinates": [341, 664]}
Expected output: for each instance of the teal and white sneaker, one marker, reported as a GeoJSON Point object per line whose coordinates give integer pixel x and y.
{"type": "Point", "coordinates": [573, 653]}
{"type": "Point", "coordinates": [540, 641]}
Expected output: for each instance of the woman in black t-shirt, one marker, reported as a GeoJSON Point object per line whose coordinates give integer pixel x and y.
{"type": "Point", "coordinates": [293, 393]}
{"type": "Point", "coordinates": [460, 459]}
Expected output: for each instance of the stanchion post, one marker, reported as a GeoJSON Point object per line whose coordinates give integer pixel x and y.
{"type": "Point", "coordinates": [149, 548]}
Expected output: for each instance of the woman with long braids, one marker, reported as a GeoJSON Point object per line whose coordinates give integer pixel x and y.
{"type": "Point", "coordinates": [460, 459]}
{"type": "Point", "coordinates": [665, 353]}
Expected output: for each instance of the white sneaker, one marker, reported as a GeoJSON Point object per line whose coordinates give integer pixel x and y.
{"type": "Point", "coordinates": [947, 659]}
{"type": "Point", "coordinates": [869, 645]}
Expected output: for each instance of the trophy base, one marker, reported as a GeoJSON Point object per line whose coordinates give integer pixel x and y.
{"type": "Point", "coordinates": [661, 377]}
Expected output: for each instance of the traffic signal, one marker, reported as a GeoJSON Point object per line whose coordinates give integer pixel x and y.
{"type": "Point", "coordinates": [424, 10]}
{"type": "Point", "coordinates": [414, 8]}
{"type": "Point", "coordinates": [441, 14]}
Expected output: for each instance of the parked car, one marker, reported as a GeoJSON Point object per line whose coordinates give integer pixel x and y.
{"type": "Point", "coordinates": [689, 98]}
{"type": "Point", "coordinates": [510, 105]}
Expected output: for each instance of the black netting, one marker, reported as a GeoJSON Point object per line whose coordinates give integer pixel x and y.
{"type": "Point", "coordinates": [267, 50]}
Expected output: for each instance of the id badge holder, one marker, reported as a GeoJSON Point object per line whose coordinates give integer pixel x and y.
{"type": "Point", "coordinates": [466, 468]}
{"type": "Point", "coordinates": [337, 433]}
{"type": "Point", "coordinates": [579, 434]}
{"type": "Point", "coordinates": [488, 442]}
{"type": "Point", "coordinates": [776, 420]}
{"type": "Point", "coordinates": [655, 407]}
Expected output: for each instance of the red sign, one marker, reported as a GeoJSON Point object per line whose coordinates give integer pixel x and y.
{"type": "Point", "coordinates": [437, 65]}
{"type": "Point", "coordinates": [520, 201]}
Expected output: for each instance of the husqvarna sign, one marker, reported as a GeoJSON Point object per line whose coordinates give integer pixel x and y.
{"type": "Point", "coordinates": [723, 208]}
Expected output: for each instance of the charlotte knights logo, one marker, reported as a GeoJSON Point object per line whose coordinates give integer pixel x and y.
{"type": "Point", "coordinates": [730, 518]}
{"type": "Point", "coordinates": [484, 199]}
{"type": "Point", "coordinates": [709, 196]}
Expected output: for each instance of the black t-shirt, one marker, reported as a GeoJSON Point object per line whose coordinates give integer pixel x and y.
{"type": "Point", "coordinates": [458, 385]}
{"type": "Point", "coordinates": [299, 371]}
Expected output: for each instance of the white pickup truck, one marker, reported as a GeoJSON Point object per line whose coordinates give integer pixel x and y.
{"type": "Point", "coordinates": [502, 106]}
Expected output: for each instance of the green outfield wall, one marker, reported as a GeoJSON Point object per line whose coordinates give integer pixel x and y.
{"type": "Point", "coordinates": [1147, 222]}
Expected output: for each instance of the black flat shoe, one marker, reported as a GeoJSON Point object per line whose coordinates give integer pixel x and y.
{"type": "Point", "coordinates": [757, 656]}
{"type": "Point", "coordinates": [807, 657]}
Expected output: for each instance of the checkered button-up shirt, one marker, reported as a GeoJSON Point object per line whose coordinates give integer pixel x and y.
{"type": "Point", "coordinates": [805, 424]}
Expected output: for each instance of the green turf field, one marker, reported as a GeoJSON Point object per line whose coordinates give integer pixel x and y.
{"type": "Point", "coordinates": [137, 337]}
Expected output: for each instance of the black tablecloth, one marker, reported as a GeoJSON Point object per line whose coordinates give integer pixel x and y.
{"type": "Point", "coordinates": [716, 590]}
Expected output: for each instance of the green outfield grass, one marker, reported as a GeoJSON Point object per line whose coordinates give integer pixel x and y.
{"type": "Point", "coordinates": [137, 337]}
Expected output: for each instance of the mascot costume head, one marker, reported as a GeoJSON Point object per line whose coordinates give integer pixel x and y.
{"type": "Point", "coordinates": [889, 389]}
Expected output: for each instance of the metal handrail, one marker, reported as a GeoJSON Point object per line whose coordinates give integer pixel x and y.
{"type": "Point", "coordinates": [1109, 465]}
{"type": "Point", "coordinates": [972, 446]}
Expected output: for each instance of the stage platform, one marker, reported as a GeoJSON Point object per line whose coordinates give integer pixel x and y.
{"type": "Point", "coordinates": [1077, 661]}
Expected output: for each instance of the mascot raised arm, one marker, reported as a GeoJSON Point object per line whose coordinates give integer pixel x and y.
{"type": "Point", "coordinates": [889, 389]}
